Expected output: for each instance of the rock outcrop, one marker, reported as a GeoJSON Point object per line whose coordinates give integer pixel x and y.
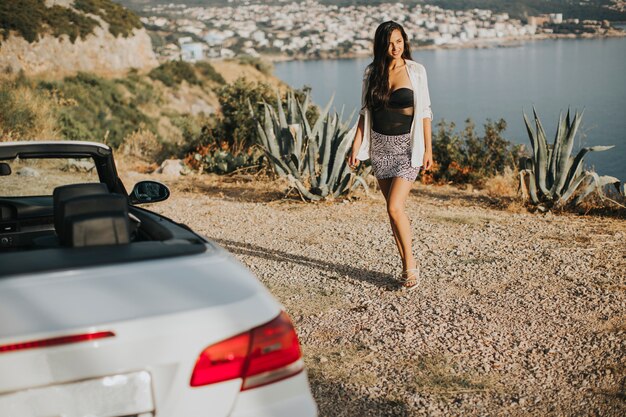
{"type": "Point", "coordinates": [99, 52]}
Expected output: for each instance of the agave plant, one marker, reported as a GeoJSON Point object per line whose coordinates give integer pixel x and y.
{"type": "Point", "coordinates": [281, 136]}
{"type": "Point", "coordinates": [312, 158]}
{"type": "Point", "coordinates": [552, 176]}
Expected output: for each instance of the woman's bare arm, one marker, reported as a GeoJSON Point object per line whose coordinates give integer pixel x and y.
{"type": "Point", "coordinates": [428, 144]}
{"type": "Point", "coordinates": [356, 144]}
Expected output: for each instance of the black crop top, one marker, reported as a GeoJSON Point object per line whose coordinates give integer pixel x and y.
{"type": "Point", "coordinates": [397, 116]}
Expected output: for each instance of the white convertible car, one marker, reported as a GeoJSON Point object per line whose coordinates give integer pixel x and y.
{"type": "Point", "coordinates": [111, 310]}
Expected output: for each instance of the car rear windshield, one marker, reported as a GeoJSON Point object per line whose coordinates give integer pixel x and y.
{"type": "Point", "coordinates": [40, 176]}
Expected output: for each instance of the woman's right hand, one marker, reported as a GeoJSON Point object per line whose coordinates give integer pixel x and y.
{"type": "Point", "coordinates": [352, 160]}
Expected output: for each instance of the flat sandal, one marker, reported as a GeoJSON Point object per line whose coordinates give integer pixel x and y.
{"type": "Point", "coordinates": [410, 281]}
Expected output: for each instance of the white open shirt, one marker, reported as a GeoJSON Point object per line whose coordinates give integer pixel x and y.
{"type": "Point", "coordinates": [421, 110]}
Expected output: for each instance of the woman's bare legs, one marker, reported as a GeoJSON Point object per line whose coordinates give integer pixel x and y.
{"type": "Point", "coordinates": [385, 186]}
{"type": "Point", "coordinates": [398, 194]}
{"type": "Point", "coordinates": [396, 190]}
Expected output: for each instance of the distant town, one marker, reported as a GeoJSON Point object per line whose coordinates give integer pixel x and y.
{"type": "Point", "coordinates": [309, 30]}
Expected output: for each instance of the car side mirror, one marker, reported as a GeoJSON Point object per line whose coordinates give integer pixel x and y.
{"type": "Point", "coordinates": [149, 192]}
{"type": "Point", "coordinates": [5, 169]}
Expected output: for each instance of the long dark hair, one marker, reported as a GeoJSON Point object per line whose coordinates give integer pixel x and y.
{"type": "Point", "coordinates": [378, 80]}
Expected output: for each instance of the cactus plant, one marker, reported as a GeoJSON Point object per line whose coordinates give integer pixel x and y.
{"type": "Point", "coordinates": [552, 176]}
{"type": "Point", "coordinates": [221, 161]}
{"type": "Point", "coordinates": [312, 158]}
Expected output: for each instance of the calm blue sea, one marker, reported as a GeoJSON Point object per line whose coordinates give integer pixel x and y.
{"type": "Point", "coordinates": [494, 83]}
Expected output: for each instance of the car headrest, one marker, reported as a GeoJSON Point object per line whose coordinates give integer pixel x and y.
{"type": "Point", "coordinates": [95, 220]}
{"type": "Point", "coordinates": [65, 192]}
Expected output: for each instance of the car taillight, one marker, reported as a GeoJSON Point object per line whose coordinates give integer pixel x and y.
{"type": "Point", "coordinates": [222, 361]}
{"type": "Point", "coordinates": [263, 355]}
{"type": "Point", "coordinates": [55, 341]}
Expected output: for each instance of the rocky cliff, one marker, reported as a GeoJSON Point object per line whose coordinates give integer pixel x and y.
{"type": "Point", "coordinates": [53, 53]}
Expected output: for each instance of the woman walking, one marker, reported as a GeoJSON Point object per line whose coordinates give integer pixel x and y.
{"type": "Point", "coordinates": [394, 131]}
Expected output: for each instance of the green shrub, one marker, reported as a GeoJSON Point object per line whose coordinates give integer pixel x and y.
{"type": "Point", "coordinates": [193, 130]}
{"type": "Point", "coordinates": [31, 19]}
{"type": "Point", "coordinates": [121, 20]}
{"type": "Point", "coordinates": [236, 126]}
{"type": "Point", "coordinates": [208, 71]}
{"type": "Point", "coordinates": [220, 161]}
{"type": "Point", "coordinates": [261, 65]}
{"type": "Point", "coordinates": [142, 90]}
{"type": "Point", "coordinates": [101, 112]}
{"type": "Point", "coordinates": [466, 157]}
{"type": "Point", "coordinates": [172, 73]}
{"type": "Point", "coordinates": [16, 119]}
{"type": "Point", "coordinates": [62, 20]}
{"type": "Point", "coordinates": [26, 113]}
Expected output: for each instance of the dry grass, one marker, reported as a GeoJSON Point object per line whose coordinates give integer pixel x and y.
{"type": "Point", "coordinates": [142, 144]}
{"type": "Point", "coordinates": [33, 116]}
{"type": "Point", "coordinates": [616, 324]}
{"type": "Point", "coordinates": [502, 185]}
{"type": "Point", "coordinates": [232, 70]}
{"type": "Point", "coordinates": [611, 204]}
{"type": "Point", "coordinates": [336, 363]}
{"type": "Point", "coordinates": [436, 375]}
{"type": "Point", "coordinates": [462, 219]}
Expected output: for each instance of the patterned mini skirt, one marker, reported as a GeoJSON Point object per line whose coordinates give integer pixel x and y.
{"type": "Point", "coordinates": [391, 156]}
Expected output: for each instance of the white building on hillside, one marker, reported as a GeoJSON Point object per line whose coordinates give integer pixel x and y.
{"type": "Point", "coordinates": [192, 51]}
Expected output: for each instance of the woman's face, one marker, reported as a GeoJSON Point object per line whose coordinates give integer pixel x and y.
{"type": "Point", "coordinates": [396, 44]}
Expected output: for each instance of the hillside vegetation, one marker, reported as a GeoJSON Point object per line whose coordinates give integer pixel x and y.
{"type": "Point", "coordinates": [183, 106]}
{"type": "Point", "coordinates": [592, 9]}
{"type": "Point", "coordinates": [32, 19]}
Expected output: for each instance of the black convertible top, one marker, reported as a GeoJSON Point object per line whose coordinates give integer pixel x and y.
{"type": "Point", "coordinates": [51, 149]}
{"type": "Point", "coordinates": [99, 152]}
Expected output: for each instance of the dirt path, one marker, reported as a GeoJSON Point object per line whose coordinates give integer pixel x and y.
{"type": "Point", "coordinates": [517, 314]}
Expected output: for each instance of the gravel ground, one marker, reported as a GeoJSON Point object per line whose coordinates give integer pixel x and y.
{"type": "Point", "coordinates": [516, 314]}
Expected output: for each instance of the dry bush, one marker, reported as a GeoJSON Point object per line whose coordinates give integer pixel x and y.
{"type": "Point", "coordinates": [141, 144]}
{"type": "Point", "coordinates": [609, 202]}
{"type": "Point", "coordinates": [26, 115]}
{"type": "Point", "coordinates": [502, 185]}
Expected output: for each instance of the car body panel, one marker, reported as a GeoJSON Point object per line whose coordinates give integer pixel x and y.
{"type": "Point", "coordinates": [63, 300]}
{"type": "Point", "coordinates": [162, 304]}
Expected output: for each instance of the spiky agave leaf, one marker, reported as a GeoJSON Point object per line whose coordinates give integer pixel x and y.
{"type": "Point", "coordinates": [344, 142]}
{"type": "Point", "coordinates": [302, 189]}
{"type": "Point", "coordinates": [527, 184]}
{"type": "Point", "coordinates": [538, 156]}
{"type": "Point", "coordinates": [292, 109]}
{"type": "Point", "coordinates": [342, 186]}
{"type": "Point", "coordinates": [556, 146]}
{"type": "Point", "coordinates": [542, 155]}
{"type": "Point", "coordinates": [298, 143]}
{"type": "Point", "coordinates": [577, 162]}
{"type": "Point", "coordinates": [571, 190]}
{"type": "Point", "coordinates": [565, 150]}
{"type": "Point", "coordinates": [314, 144]}
{"type": "Point", "coordinates": [282, 119]}
{"type": "Point", "coordinates": [532, 136]}
{"type": "Point", "coordinates": [595, 183]}
{"type": "Point", "coordinates": [326, 141]}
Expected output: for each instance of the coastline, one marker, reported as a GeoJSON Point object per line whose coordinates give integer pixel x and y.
{"type": "Point", "coordinates": [508, 42]}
